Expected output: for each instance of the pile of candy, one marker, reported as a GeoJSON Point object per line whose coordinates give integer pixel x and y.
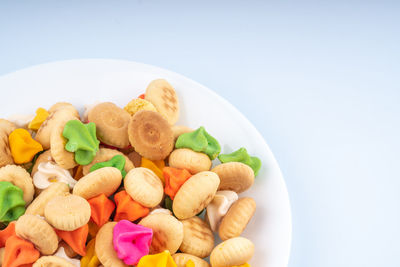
{"type": "Point", "coordinates": [121, 187]}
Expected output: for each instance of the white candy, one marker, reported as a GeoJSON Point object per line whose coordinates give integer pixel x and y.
{"type": "Point", "coordinates": [21, 121]}
{"type": "Point", "coordinates": [49, 172]}
{"type": "Point", "coordinates": [61, 253]}
{"type": "Point", "coordinates": [219, 206]}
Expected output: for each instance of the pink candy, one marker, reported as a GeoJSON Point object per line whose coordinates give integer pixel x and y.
{"type": "Point", "coordinates": [131, 241]}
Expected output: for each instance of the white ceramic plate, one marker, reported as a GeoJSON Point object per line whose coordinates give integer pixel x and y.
{"type": "Point", "coordinates": [85, 81]}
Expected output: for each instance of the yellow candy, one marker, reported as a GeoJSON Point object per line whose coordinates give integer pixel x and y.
{"type": "Point", "coordinates": [162, 259]}
{"type": "Point", "coordinates": [139, 104]}
{"type": "Point", "coordinates": [190, 263]}
{"type": "Point", "coordinates": [156, 166]}
{"type": "Point", "coordinates": [41, 116]}
{"type": "Point", "coordinates": [90, 259]}
{"type": "Point", "coordinates": [23, 147]}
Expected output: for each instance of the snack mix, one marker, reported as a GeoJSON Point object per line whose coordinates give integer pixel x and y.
{"type": "Point", "coordinates": [121, 187]}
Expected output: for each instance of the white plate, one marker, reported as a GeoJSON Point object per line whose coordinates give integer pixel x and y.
{"type": "Point", "coordinates": [85, 81]}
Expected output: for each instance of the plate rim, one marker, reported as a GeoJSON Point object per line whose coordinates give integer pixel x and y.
{"type": "Point", "coordinates": [183, 77]}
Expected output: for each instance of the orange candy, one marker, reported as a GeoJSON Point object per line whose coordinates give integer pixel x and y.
{"type": "Point", "coordinates": [101, 208]}
{"type": "Point", "coordinates": [155, 165]}
{"type": "Point", "coordinates": [174, 179]}
{"type": "Point", "coordinates": [75, 239]}
{"type": "Point", "coordinates": [19, 252]}
{"type": "Point", "coordinates": [6, 233]}
{"type": "Point", "coordinates": [23, 147]}
{"type": "Point", "coordinates": [127, 208]}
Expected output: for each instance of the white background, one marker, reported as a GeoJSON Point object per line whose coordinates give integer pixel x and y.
{"type": "Point", "coordinates": [320, 80]}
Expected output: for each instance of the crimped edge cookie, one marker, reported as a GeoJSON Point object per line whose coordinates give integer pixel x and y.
{"type": "Point", "coordinates": [194, 162]}
{"type": "Point", "coordinates": [163, 96]}
{"type": "Point", "coordinates": [102, 181]}
{"type": "Point", "coordinates": [111, 124]}
{"type": "Point", "coordinates": [38, 204]}
{"type": "Point", "coordinates": [144, 186]}
{"type": "Point", "coordinates": [19, 177]}
{"type": "Point", "coordinates": [237, 218]}
{"type": "Point", "coordinates": [67, 212]}
{"type": "Point", "coordinates": [195, 194]}
{"type": "Point", "coordinates": [64, 106]}
{"type": "Point", "coordinates": [234, 251]}
{"type": "Point", "coordinates": [37, 231]}
{"type": "Point", "coordinates": [150, 135]}
{"type": "Point", "coordinates": [198, 239]}
{"type": "Point", "coordinates": [167, 232]}
{"type": "Point", "coordinates": [235, 176]}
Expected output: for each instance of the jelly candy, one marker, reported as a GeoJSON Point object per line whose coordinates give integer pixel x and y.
{"type": "Point", "coordinates": [117, 161]}
{"type": "Point", "coordinates": [162, 259]}
{"type": "Point", "coordinates": [101, 209]}
{"type": "Point", "coordinates": [12, 204]}
{"type": "Point", "coordinates": [242, 156]}
{"type": "Point", "coordinates": [127, 208]}
{"type": "Point", "coordinates": [174, 179]}
{"type": "Point", "coordinates": [199, 141]}
{"type": "Point", "coordinates": [75, 239]}
{"type": "Point", "coordinates": [131, 241]}
{"type": "Point", "coordinates": [41, 116]}
{"type": "Point", "coordinates": [155, 165]}
{"type": "Point", "coordinates": [23, 147]}
{"type": "Point", "coordinates": [81, 140]}
{"type": "Point", "coordinates": [19, 252]}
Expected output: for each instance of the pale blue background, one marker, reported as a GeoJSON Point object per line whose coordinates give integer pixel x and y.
{"type": "Point", "coordinates": [319, 79]}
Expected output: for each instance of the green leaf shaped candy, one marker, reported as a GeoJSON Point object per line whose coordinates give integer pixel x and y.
{"type": "Point", "coordinates": [81, 140]}
{"type": "Point", "coordinates": [242, 156]}
{"type": "Point", "coordinates": [199, 141]}
{"type": "Point", "coordinates": [12, 204]}
{"type": "Point", "coordinates": [117, 161]}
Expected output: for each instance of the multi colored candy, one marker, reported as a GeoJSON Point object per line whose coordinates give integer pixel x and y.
{"type": "Point", "coordinates": [126, 188]}
{"type": "Point", "coordinates": [82, 140]}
